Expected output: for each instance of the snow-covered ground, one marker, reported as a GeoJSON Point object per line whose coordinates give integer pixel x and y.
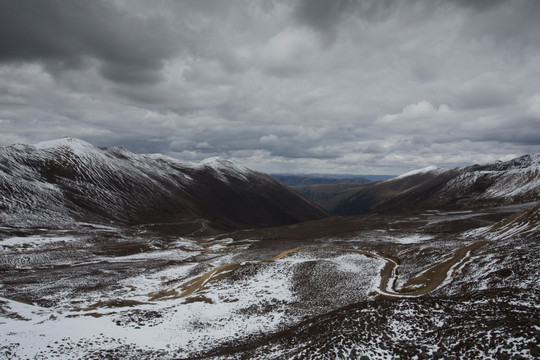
{"type": "Point", "coordinates": [257, 298]}
{"type": "Point", "coordinates": [107, 294]}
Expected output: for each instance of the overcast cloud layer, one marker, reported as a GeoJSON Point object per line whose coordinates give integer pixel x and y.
{"type": "Point", "coordinates": [348, 86]}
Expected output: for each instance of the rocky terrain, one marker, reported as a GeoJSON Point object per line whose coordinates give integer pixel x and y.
{"type": "Point", "coordinates": [450, 280]}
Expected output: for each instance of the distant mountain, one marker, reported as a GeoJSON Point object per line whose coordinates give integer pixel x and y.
{"type": "Point", "coordinates": [318, 179]}
{"type": "Point", "coordinates": [65, 181]}
{"type": "Point", "coordinates": [321, 193]}
{"type": "Point", "coordinates": [501, 183]}
{"type": "Point", "coordinates": [319, 188]}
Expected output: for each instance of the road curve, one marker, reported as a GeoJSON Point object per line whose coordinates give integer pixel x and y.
{"type": "Point", "coordinates": [427, 280]}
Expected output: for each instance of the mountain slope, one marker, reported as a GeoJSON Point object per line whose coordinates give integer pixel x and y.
{"type": "Point", "coordinates": [68, 180]}
{"type": "Point", "coordinates": [503, 183]}
{"type": "Point", "coordinates": [525, 223]}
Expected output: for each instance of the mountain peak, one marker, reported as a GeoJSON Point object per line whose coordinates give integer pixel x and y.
{"type": "Point", "coordinates": [77, 146]}
{"type": "Point", "coordinates": [65, 141]}
{"type": "Point", "coordinates": [217, 161]}
{"type": "Point", "coordinates": [219, 164]}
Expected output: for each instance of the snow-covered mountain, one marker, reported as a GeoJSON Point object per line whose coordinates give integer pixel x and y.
{"type": "Point", "coordinates": [494, 184]}
{"type": "Point", "coordinates": [61, 182]}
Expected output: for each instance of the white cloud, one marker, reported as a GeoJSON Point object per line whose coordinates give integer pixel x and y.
{"type": "Point", "coordinates": [269, 139]}
{"type": "Point", "coordinates": [420, 110]}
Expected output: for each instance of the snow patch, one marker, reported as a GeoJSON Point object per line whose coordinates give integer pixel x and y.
{"type": "Point", "coordinates": [429, 169]}
{"type": "Point", "coordinates": [411, 239]}
{"type": "Point", "coordinates": [32, 241]}
{"type": "Point", "coordinates": [222, 166]}
{"type": "Point", "coordinates": [77, 146]}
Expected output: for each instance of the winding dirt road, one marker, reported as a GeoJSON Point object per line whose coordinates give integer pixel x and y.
{"type": "Point", "coordinates": [419, 285]}
{"type": "Point", "coordinates": [428, 280]}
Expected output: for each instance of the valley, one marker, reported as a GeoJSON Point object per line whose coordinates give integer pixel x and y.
{"type": "Point", "coordinates": [106, 254]}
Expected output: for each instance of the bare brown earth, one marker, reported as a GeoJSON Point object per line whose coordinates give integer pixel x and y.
{"type": "Point", "coordinates": [196, 284]}
{"type": "Point", "coordinates": [432, 278]}
{"type": "Point", "coordinates": [349, 226]}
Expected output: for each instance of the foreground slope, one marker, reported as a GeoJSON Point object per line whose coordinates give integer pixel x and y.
{"type": "Point", "coordinates": [68, 180]}
{"type": "Point", "coordinates": [502, 183]}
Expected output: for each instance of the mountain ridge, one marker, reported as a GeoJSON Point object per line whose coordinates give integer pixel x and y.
{"type": "Point", "coordinates": [68, 180]}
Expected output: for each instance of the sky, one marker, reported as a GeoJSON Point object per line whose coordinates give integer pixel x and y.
{"type": "Point", "coordinates": [312, 86]}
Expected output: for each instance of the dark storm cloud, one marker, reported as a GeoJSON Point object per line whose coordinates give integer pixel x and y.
{"type": "Point", "coordinates": [307, 85]}
{"type": "Point", "coordinates": [485, 92]}
{"type": "Point", "coordinates": [129, 48]}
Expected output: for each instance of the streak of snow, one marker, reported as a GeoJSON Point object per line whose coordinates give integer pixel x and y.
{"type": "Point", "coordinates": [428, 169]}
{"type": "Point", "coordinates": [412, 239]}
{"type": "Point", "coordinates": [31, 241]}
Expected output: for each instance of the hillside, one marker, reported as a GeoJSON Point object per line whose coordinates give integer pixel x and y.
{"type": "Point", "coordinates": [524, 224]}
{"type": "Point", "coordinates": [66, 181]}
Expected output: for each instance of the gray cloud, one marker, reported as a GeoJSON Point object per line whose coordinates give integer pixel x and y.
{"type": "Point", "coordinates": [322, 15]}
{"type": "Point", "coordinates": [350, 86]}
{"type": "Point", "coordinates": [326, 15]}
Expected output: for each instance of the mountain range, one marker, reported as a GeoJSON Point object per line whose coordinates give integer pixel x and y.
{"type": "Point", "coordinates": [68, 181]}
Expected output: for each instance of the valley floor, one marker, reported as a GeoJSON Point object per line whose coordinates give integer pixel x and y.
{"type": "Point", "coordinates": [428, 285]}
